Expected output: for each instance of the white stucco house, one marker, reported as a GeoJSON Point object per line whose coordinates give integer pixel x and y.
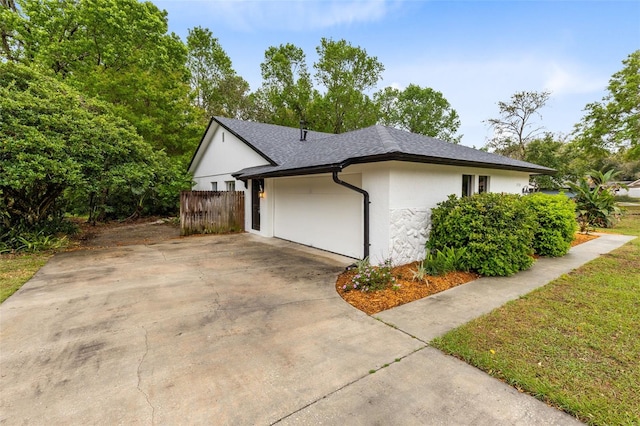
{"type": "Point", "coordinates": [363, 193]}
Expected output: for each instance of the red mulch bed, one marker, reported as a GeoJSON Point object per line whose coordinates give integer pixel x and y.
{"type": "Point", "coordinates": [409, 289]}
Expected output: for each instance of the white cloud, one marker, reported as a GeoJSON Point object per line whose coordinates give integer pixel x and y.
{"type": "Point", "coordinates": [567, 78]}
{"type": "Point", "coordinates": [474, 86]}
{"type": "Point", "coordinates": [295, 15]}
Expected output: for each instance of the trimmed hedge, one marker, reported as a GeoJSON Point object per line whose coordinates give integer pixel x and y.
{"type": "Point", "coordinates": [496, 229]}
{"type": "Point", "coordinates": [556, 223]}
{"type": "Point", "coordinates": [500, 232]}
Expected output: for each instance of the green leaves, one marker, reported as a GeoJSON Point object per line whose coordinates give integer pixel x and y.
{"type": "Point", "coordinates": [595, 200]}
{"type": "Point", "coordinates": [614, 123]}
{"type": "Point", "coordinates": [216, 87]}
{"type": "Point", "coordinates": [419, 110]}
{"type": "Point", "coordinates": [61, 150]}
{"type": "Point", "coordinates": [443, 261]}
{"type": "Point", "coordinates": [287, 87]}
{"type": "Point", "coordinates": [555, 225]}
{"type": "Point", "coordinates": [494, 232]}
{"type": "Point", "coordinates": [114, 50]}
{"type": "Point", "coordinates": [346, 72]}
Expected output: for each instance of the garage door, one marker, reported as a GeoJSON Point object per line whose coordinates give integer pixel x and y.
{"type": "Point", "coordinates": [317, 212]}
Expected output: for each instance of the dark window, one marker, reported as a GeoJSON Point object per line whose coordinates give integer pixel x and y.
{"type": "Point", "coordinates": [483, 184]}
{"type": "Point", "coordinates": [467, 185]}
{"type": "Point", "coordinates": [214, 186]}
{"type": "Point", "coordinates": [231, 185]}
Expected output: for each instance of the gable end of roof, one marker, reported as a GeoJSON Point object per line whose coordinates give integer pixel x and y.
{"type": "Point", "coordinates": [250, 145]}
{"type": "Point", "coordinates": [215, 120]}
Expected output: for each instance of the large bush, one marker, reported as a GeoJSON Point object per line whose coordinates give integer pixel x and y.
{"type": "Point", "coordinates": [496, 229]}
{"type": "Point", "coordinates": [555, 225]}
{"type": "Point", "coordinates": [61, 150]}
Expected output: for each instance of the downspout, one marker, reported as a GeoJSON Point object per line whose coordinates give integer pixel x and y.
{"type": "Point", "coordinates": [366, 209]}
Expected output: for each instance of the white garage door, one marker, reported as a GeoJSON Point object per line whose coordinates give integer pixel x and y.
{"type": "Point", "coordinates": [318, 212]}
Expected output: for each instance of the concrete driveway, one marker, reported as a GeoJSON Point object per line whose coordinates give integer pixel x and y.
{"type": "Point", "coordinates": [239, 329]}
{"type": "Point", "coordinates": [205, 330]}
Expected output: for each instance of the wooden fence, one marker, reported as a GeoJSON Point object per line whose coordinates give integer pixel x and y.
{"type": "Point", "coordinates": [211, 212]}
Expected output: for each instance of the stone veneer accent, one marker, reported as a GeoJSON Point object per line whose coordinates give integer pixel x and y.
{"type": "Point", "coordinates": [409, 229]}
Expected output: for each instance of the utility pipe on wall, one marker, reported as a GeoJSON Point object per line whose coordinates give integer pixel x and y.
{"type": "Point", "coordinates": [366, 209]}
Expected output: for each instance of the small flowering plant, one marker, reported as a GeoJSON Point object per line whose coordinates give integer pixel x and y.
{"type": "Point", "coordinates": [372, 278]}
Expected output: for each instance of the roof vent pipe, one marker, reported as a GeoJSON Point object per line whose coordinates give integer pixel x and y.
{"type": "Point", "coordinates": [303, 132]}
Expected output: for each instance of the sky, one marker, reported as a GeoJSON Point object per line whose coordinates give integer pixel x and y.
{"type": "Point", "coordinates": [476, 53]}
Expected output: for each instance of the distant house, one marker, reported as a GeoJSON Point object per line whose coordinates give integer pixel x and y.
{"type": "Point", "coordinates": [633, 189]}
{"type": "Point", "coordinates": [368, 192]}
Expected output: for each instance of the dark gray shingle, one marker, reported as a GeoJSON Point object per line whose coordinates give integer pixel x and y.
{"type": "Point", "coordinates": [323, 152]}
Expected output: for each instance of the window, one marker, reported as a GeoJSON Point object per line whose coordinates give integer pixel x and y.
{"type": "Point", "coordinates": [214, 186]}
{"type": "Point", "coordinates": [467, 185]}
{"type": "Point", "coordinates": [483, 184]}
{"type": "Point", "coordinates": [231, 185]}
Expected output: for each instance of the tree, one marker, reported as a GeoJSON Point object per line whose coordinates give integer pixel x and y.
{"type": "Point", "coordinates": [418, 110]}
{"type": "Point", "coordinates": [347, 73]}
{"type": "Point", "coordinates": [217, 89]}
{"type": "Point", "coordinates": [614, 123]}
{"type": "Point", "coordinates": [116, 50]}
{"type": "Point", "coordinates": [554, 152]}
{"type": "Point", "coordinates": [59, 146]}
{"type": "Point", "coordinates": [8, 24]}
{"type": "Point", "coordinates": [287, 88]}
{"type": "Point", "coordinates": [515, 128]}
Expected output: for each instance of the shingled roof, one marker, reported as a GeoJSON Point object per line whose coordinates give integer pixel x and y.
{"type": "Point", "coordinates": [324, 152]}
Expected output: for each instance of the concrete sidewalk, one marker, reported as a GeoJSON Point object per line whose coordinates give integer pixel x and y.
{"type": "Point", "coordinates": [434, 316]}
{"type": "Point", "coordinates": [431, 388]}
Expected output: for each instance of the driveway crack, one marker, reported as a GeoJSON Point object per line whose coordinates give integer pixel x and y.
{"type": "Point", "coordinates": [400, 330]}
{"type": "Point", "coordinates": [348, 384]}
{"type": "Point", "coordinates": [146, 351]}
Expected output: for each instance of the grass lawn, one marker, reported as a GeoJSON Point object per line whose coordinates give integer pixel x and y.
{"type": "Point", "coordinates": [16, 270]}
{"type": "Point", "coordinates": [574, 343]}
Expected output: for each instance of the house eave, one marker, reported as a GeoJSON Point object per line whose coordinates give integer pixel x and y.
{"type": "Point", "coordinates": [329, 168]}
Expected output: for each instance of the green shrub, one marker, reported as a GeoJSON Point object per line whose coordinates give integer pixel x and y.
{"type": "Point", "coordinates": [43, 236]}
{"type": "Point", "coordinates": [371, 278]}
{"type": "Point", "coordinates": [495, 229]}
{"type": "Point", "coordinates": [555, 225]}
{"type": "Point", "coordinates": [448, 259]}
{"type": "Point", "coordinates": [595, 200]}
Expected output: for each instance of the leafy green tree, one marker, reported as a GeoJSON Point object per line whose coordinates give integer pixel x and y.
{"type": "Point", "coordinates": [551, 151]}
{"type": "Point", "coordinates": [217, 89]}
{"type": "Point", "coordinates": [614, 123]}
{"type": "Point", "coordinates": [115, 50]}
{"type": "Point", "coordinates": [516, 126]}
{"type": "Point", "coordinates": [59, 146]}
{"type": "Point", "coordinates": [347, 73]}
{"type": "Point", "coordinates": [287, 89]}
{"type": "Point", "coordinates": [419, 110]}
{"type": "Point", "coordinates": [8, 23]}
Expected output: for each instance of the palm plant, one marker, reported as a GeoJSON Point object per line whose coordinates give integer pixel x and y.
{"type": "Point", "coordinates": [595, 200]}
